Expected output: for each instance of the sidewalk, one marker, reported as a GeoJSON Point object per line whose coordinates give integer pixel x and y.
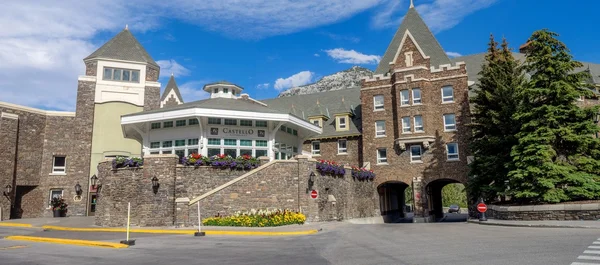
{"type": "Point", "coordinates": [86, 224]}
{"type": "Point", "coordinates": [542, 224]}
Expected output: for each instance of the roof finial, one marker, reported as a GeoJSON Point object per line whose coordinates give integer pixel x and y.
{"type": "Point", "coordinates": [172, 74]}
{"type": "Point", "coordinates": [412, 5]}
{"type": "Point", "coordinates": [126, 27]}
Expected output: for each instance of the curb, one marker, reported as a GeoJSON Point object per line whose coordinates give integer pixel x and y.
{"type": "Point", "coordinates": [180, 232]}
{"type": "Point", "coordinates": [64, 241]}
{"type": "Point", "coordinates": [15, 225]}
{"type": "Point", "coordinates": [533, 225]}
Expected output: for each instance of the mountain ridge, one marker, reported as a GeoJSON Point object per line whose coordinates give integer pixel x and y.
{"type": "Point", "coordinates": [337, 81]}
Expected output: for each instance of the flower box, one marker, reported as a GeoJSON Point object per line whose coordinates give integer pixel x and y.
{"type": "Point", "coordinates": [244, 162]}
{"type": "Point", "coordinates": [331, 168]}
{"type": "Point", "coordinates": [362, 173]}
{"type": "Point", "coordinates": [123, 161]}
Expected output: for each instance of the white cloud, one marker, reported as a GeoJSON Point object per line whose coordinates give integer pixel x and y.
{"type": "Point", "coordinates": [352, 57]}
{"type": "Point", "coordinates": [192, 90]}
{"type": "Point", "coordinates": [168, 67]}
{"type": "Point", "coordinates": [317, 55]}
{"type": "Point", "coordinates": [299, 79]}
{"type": "Point", "coordinates": [439, 14]}
{"type": "Point", "coordinates": [453, 54]}
{"type": "Point", "coordinates": [339, 37]}
{"type": "Point", "coordinates": [262, 86]}
{"type": "Point", "coordinates": [41, 58]}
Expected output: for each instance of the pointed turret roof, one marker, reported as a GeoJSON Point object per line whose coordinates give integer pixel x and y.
{"type": "Point", "coordinates": [318, 110]}
{"type": "Point", "coordinates": [124, 46]}
{"type": "Point", "coordinates": [171, 85]}
{"type": "Point", "coordinates": [341, 107]}
{"type": "Point", "coordinates": [431, 47]}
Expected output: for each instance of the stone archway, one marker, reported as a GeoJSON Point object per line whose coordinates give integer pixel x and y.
{"type": "Point", "coordinates": [435, 205]}
{"type": "Point", "coordinates": [392, 201]}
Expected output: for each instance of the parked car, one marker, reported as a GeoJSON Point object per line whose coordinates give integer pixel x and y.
{"type": "Point", "coordinates": [454, 209]}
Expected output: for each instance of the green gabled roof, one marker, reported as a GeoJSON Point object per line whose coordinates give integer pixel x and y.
{"type": "Point", "coordinates": [318, 110]}
{"type": "Point", "coordinates": [431, 47]}
{"type": "Point", "coordinates": [171, 85]}
{"type": "Point", "coordinates": [125, 47]}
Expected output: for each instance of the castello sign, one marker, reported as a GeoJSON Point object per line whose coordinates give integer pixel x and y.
{"type": "Point", "coordinates": [237, 132]}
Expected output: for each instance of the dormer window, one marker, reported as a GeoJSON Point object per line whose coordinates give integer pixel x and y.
{"type": "Point", "coordinates": [121, 75]}
{"type": "Point", "coordinates": [341, 123]}
{"type": "Point", "coordinates": [316, 122]}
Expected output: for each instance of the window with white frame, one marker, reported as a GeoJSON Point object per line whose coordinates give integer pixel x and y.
{"type": "Point", "coordinates": [404, 98]}
{"type": "Point", "coordinates": [447, 94]}
{"type": "Point", "coordinates": [449, 122]}
{"type": "Point", "coordinates": [230, 122]}
{"type": "Point", "coordinates": [418, 123]}
{"type": "Point", "coordinates": [59, 164]}
{"type": "Point", "coordinates": [180, 123]}
{"type": "Point", "coordinates": [316, 148]}
{"type": "Point", "coordinates": [341, 123]}
{"type": "Point", "coordinates": [342, 146]}
{"type": "Point", "coordinates": [381, 156]}
{"type": "Point", "coordinates": [168, 124]}
{"type": "Point", "coordinates": [155, 125]}
{"type": "Point", "coordinates": [405, 124]}
{"type": "Point", "coordinates": [247, 123]}
{"type": "Point", "coordinates": [379, 128]}
{"type": "Point", "coordinates": [415, 153]}
{"type": "Point", "coordinates": [378, 102]}
{"type": "Point", "coordinates": [225, 90]}
{"type": "Point", "coordinates": [54, 193]}
{"type": "Point", "coordinates": [121, 75]}
{"type": "Point", "coordinates": [452, 151]}
{"type": "Point", "coordinates": [235, 147]}
{"type": "Point", "coordinates": [214, 121]}
{"type": "Point", "coordinates": [416, 96]}
{"type": "Point", "coordinates": [260, 123]}
{"type": "Point", "coordinates": [216, 90]}
{"type": "Point", "coordinates": [193, 122]}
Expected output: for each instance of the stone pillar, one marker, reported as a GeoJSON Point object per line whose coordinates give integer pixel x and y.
{"type": "Point", "coordinates": [159, 206]}
{"type": "Point", "coordinates": [9, 129]}
{"type": "Point", "coordinates": [305, 167]}
{"type": "Point", "coordinates": [264, 160]}
{"type": "Point", "coordinates": [420, 200]}
{"type": "Point", "coordinates": [182, 212]}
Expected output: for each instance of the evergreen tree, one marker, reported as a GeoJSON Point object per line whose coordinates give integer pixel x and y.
{"type": "Point", "coordinates": [556, 158]}
{"type": "Point", "coordinates": [494, 126]}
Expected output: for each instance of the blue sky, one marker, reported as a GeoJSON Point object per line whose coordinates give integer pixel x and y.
{"type": "Point", "coordinates": [264, 46]}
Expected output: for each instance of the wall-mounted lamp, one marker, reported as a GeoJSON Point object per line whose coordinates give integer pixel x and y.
{"type": "Point", "coordinates": [7, 190]}
{"type": "Point", "coordinates": [94, 181]}
{"type": "Point", "coordinates": [155, 184]}
{"type": "Point", "coordinates": [78, 189]}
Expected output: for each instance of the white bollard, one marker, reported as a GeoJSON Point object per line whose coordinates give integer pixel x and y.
{"type": "Point", "coordinates": [128, 242]}
{"type": "Point", "coordinates": [199, 233]}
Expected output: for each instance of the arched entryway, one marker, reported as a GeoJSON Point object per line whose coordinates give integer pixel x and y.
{"type": "Point", "coordinates": [443, 193]}
{"type": "Point", "coordinates": [393, 202]}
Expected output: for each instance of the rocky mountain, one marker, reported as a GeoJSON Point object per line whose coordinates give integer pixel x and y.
{"type": "Point", "coordinates": [340, 80]}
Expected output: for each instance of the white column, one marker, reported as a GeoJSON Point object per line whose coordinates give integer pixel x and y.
{"type": "Point", "coordinates": [203, 141]}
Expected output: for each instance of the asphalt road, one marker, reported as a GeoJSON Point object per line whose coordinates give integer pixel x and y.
{"type": "Point", "coordinates": [338, 243]}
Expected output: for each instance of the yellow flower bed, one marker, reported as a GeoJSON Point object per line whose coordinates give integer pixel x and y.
{"type": "Point", "coordinates": [253, 218]}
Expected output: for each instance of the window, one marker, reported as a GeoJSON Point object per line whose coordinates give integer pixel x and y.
{"type": "Point", "coordinates": [215, 121]}
{"type": "Point", "coordinates": [404, 100]}
{"type": "Point", "coordinates": [245, 142]}
{"type": "Point", "coordinates": [179, 142]}
{"type": "Point", "coordinates": [342, 123]}
{"type": "Point", "coordinates": [123, 75]}
{"type": "Point", "coordinates": [167, 124]}
{"type": "Point", "coordinates": [378, 102]}
{"type": "Point", "coordinates": [382, 156]}
{"type": "Point", "coordinates": [180, 123]}
{"type": "Point", "coordinates": [416, 96]}
{"type": "Point", "coordinates": [408, 59]}
{"type": "Point", "coordinates": [316, 148]}
{"type": "Point", "coordinates": [260, 123]}
{"type": "Point", "coordinates": [230, 122]}
{"type": "Point", "coordinates": [155, 125]}
{"type": "Point", "coordinates": [193, 122]}
{"type": "Point", "coordinates": [180, 153]}
{"type": "Point", "coordinates": [216, 90]}
{"type": "Point", "coordinates": [452, 151]}
{"type": "Point", "coordinates": [230, 152]}
{"type": "Point", "coordinates": [415, 153]}
{"type": "Point", "coordinates": [295, 149]}
{"type": "Point", "coordinates": [155, 145]}
{"type": "Point", "coordinates": [55, 193]}
{"type": "Point", "coordinates": [262, 143]}
{"type": "Point", "coordinates": [245, 123]}
{"type": "Point", "coordinates": [342, 148]}
{"type": "Point", "coordinates": [168, 152]}
{"type": "Point", "coordinates": [260, 153]}
{"type": "Point", "coordinates": [379, 128]}
{"type": "Point", "coordinates": [405, 124]}
{"type": "Point", "coordinates": [193, 141]}
{"type": "Point", "coordinates": [447, 94]}
{"type": "Point", "coordinates": [289, 130]}
{"type": "Point", "coordinates": [192, 151]}
{"type": "Point", "coordinates": [225, 90]}
{"type": "Point", "coordinates": [316, 122]}
{"type": "Point", "coordinates": [167, 144]}
{"type": "Point", "coordinates": [59, 164]}
{"type": "Point", "coordinates": [449, 122]}
{"type": "Point", "coordinates": [418, 123]}
{"type": "Point", "coordinates": [295, 132]}
{"type": "Point", "coordinates": [230, 142]}
{"type": "Point", "coordinates": [282, 128]}
{"type": "Point", "coordinates": [214, 141]}
{"type": "Point", "coordinates": [214, 151]}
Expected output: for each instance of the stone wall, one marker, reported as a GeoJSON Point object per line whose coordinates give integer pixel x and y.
{"type": "Point", "coordinates": [278, 184]}
{"type": "Point", "coordinates": [329, 150]}
{"type": "Point", "coordinates": [561, 212]}
{"type": "Point", "coordinates": [9, 125]}
{"type": "Point", "coordinates": [151, 98]}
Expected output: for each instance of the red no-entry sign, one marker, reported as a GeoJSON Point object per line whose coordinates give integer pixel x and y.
{"type": "Point", "coordinates": [481, 207]}
{"type": "Point", "coordinates": [314, 194]}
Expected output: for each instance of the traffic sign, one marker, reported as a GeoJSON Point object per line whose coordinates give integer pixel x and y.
{"type": "Point", "coordinates": [481, 207]}
{"type": "Point", "coordinates": [314, 194]}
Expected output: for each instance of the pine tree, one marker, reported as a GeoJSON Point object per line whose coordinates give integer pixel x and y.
{"type": "Point", "coordinates": [494, 126]}
{"type": "Point", "coordinates": [556, 158]}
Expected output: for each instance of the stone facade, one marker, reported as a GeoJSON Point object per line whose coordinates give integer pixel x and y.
{"type": "Point", "coordinates": [329, 150]}
{"type": "Point", "coordinates": [560, 212]}
{"type": "Point", "coordinates": [278, 184]}
{"type": "Point", "coordinates": [91, 67]}
{"type": "Point", "coordinates": [152, 73]}
{"type": "Point", "coordinates": [151, 98]}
